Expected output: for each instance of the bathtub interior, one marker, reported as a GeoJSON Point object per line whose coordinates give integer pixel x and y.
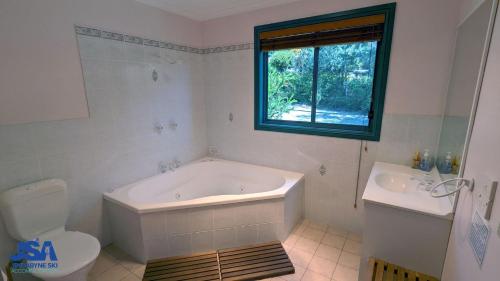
{"type": "Point", "coordinates": [211, 178]}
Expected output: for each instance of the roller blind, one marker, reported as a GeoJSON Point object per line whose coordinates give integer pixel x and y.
{"type": "Point", "coordinates": [367, 28]}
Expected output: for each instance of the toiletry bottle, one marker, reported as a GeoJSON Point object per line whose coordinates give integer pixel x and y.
{"type": "Point", "coordinates": [426, 161]}
{"type": "Point", "coordinates": [447, 164]}
{"type": "Point", "coordinates": [455, 165]}
{"type": "Point", "coordinates": [416, 160]}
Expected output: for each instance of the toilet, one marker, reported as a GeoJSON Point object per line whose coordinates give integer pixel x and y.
{"type": "Point", "coordinates": [40, 210]}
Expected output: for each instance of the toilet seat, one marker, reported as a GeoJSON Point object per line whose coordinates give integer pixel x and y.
{"type": "Point", "coordinates": [74, 250]}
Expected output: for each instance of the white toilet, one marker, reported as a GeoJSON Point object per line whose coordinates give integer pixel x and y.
{"type": "Point", "coordinates": [39, 210]}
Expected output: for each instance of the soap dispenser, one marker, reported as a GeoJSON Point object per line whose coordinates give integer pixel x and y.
{"type": "Point", "coordinates": [426, 161]}
{"type": "Point", "coordinates": [446, 167]}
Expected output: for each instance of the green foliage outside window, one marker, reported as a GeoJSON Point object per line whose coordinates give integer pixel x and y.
{"type": "Point", "coordinates": [345, 78]}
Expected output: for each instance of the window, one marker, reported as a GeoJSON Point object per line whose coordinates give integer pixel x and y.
{"type": "Point", "coordinates": [324, 75]}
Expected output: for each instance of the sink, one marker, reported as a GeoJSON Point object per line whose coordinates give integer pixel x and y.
{"type": "Point", "coordinates": [393, 182]}
{"type": "Point", "coordinates": [405, 188]}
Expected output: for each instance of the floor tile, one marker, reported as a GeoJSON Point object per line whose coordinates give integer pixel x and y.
{"type": "Point", "coordinates": [131, 277]}
{"type": "Point", "coordinates": [318, 226]}
{"type": "Point", "coordinates": [337, 231]}
{"type": "Point", "coordinates": [354, 237]}
{"type": "Point", "coordinates": [343, 273]}
{"type": "Point", "coordinates": [123, 258]}
{"type": "Point", "coordinates": [333, 240]}
{"type": "Point", "coordinates": [307, 245]}
{"type": "Point", "coordinates": [139, 271]}
{"type": "Point", "coordinates": [115, 273]}
{"type": "Point", "coordinates": [291, 240]}
{"type": "Point", "coordinates": [299, 229]}
{"type": "Point", "coordinates": [352, 247]}
{"type": "Point", "coordinates": [313, 234]}
{"type": "Point", "coordinates": [349, 260]}
{"type": "Point", "coordinates": [322, 266]}
{"type": "Point", "coordinates": [313, 276]}
{"type": "Point", "coordinates": [328, 252]}
{"type": "Point", "coordinates": [299, 272]}
{"type": "Point", "coordinates": [103, 262]}
{"type": "Point", "coordinates": [300, 257]}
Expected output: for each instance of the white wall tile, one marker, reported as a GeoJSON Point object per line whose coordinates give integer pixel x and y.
{"type": "Point", "coordinates": [247, 234]}
{"type": "Point", "coordinates": [202, 241]}
{"type": "Point", "coordinates": [201, 219]}
{"type": "Point", "coordinates": [153, 225]}
{"type": "Point", "coordinates": [180, 244]}
{"type": "Point", "coordinates": [268, 232]}
{"type": "Point", "coordinates": [178, 222]}
{"type": "Point", "coordinates": [224, 217]}
{"type": "Point", "coordinates": [224, 238]}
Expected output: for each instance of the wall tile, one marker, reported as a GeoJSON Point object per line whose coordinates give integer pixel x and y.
{"type": "Point", "coordinates": [178, 222]}
{"type": "Point", "coordinates": [224, 238]}
{"type": "Point", "coordinates": [247, 234]}
{"type": "Point", "coordinates": [201, 219]}
{"type": "Point", "coordinates": [202, 241]}
{"type": "Point", "coordinates": [224, 217]}
{"type": "Point", "coordinates": [180, 244]}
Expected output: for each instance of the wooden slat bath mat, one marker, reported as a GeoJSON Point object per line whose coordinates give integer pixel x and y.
{"type": "Point", "coordinates": [244, 263]}
{"type": "Point", "coordinates": [379, 270]}
{"type": "Point", "coordinates": [200, 267]}
{"type": "Point", "coordinates": [254, 262]}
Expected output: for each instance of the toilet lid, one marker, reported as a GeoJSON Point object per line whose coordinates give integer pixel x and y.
{"type": "Point", "coordinates": [74, 250]}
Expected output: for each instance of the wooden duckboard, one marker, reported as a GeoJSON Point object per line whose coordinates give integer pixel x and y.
{"type": "Point", "coordinates": [244, 263]}
{"type": "Point", "coordinates": [379, 270]}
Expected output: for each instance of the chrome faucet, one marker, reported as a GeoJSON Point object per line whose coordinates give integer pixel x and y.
{"type": "Point", "coordinates": [162, 167]}
{"type": "Point", "coordinates": [426, 181]}
{"type": "Point", "coordinates": [170, 166]}
{"type": "Point", "coordinates": [174, 164]}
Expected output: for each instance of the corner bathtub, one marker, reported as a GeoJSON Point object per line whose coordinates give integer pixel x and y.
{"type": "Point", "coordinates": [205, 205]}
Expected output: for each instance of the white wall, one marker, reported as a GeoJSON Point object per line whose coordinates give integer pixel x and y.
{"type": "Point", "coordinates": [41, 76]}
{"type": "Point", "coordinates": [418, 78]}
{"type": "Point", "coordinates": [482, 160]}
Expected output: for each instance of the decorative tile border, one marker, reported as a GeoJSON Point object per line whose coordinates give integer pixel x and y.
{"type": "Point", "coordinates": [93, 32]}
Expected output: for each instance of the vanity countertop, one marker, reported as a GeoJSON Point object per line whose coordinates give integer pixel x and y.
{"type": "Point", "coordinates": [398, 186]}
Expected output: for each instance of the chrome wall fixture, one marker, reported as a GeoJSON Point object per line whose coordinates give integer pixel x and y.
{"type": "Point", "coordinates": [462, 182]}
{"type": "Point", "coordinates": [154, 75]}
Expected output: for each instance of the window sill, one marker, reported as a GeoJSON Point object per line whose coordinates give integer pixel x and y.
{"type": "Point", "coordinates": [318, 131]}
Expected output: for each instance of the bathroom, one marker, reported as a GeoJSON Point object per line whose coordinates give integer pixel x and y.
{"type": "Point", "coordinates": [148, 116]}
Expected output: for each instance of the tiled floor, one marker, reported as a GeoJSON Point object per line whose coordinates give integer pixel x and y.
{"type": "Point", "coordinates": [322, 253]}
{"type": "Point", "coordinates": [318, 252]}
{"type": "Point", "coordinates": [114, 265]}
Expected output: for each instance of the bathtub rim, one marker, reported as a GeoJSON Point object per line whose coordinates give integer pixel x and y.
{"type": "Point", "coordinates": [292, 179]}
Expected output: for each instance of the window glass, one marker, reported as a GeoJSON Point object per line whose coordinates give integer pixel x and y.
{"type": "Point", "coordinates": [289, 83]}
{"type": "Point", "coordinates": [345, 83]}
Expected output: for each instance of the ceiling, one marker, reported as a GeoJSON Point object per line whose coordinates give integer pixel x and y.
{"type": "Point", "coordinates": [202, 10]}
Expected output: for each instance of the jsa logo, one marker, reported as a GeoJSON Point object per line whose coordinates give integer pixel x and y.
{"type": "Point", "coordinates": [32, 251]}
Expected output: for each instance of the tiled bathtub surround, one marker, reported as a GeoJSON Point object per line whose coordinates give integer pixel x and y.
{"type": "Point", "coordinates": [199, 229]}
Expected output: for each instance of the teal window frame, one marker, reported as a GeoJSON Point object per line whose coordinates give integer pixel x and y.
{"type": "Point", "coordinates": [370, 132]}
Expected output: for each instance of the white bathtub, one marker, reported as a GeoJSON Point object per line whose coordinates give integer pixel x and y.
{"type": "Point", "coordinates": [205, 205]}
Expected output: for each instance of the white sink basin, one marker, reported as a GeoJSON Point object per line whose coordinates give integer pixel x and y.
{"type": "Point", "coordinates": [393, 182]}
{"type": "Point", "coordinates": [401, 187]}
